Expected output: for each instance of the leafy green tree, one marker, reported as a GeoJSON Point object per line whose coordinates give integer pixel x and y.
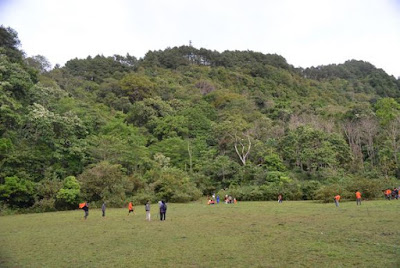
{"type": "Point", "coordinates": [387, 109]}
{"type": "Point", "coordinates": [17, 192]}
{"type": "Point", "coordinates": [137, 87]}
{"type": "Point", "coordinates": [105, 181]}
{"type": "Point", "coordinates": [311, 149]}
{"type": "Point", "coordinates": [10, 43]}
{"type": "Point", "coordinates": [173, 185]}
{"type": "Point", "coordinates": [174, 148]}
{"type": "Point", "coordinates": [170, 126]}
{"type": "Point", "coordinates": [39, 63]}
{"type": "Point", "coordinates": [69, 194]}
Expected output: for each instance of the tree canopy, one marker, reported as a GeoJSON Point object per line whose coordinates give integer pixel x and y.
{"type": "Point", "coordinates": [183, 122]}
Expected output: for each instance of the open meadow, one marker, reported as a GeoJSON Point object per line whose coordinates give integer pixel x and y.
{"type": "Point", "coordinates": [248, 234]}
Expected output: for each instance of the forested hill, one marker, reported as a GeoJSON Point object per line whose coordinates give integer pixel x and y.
{"type": "Point", "coordinates": [185, 122]}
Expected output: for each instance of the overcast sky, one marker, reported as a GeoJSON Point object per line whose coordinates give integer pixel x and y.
{"type": "Point", "coordinates": [307, 32]}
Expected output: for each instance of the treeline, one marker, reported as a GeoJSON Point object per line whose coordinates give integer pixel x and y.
{"type": "Point", "coordinates": [185, 122]}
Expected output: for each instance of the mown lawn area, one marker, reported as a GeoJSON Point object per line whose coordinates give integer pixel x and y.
{"type": "Point", "coordinates": [248, 234]}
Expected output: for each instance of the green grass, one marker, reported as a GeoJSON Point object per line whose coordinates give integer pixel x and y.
{"type": "Point", "coordinates": [249, 234]}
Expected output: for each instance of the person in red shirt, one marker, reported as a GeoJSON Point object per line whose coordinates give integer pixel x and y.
{"type": "Point", "coordinates": [358, 197]}
{"type": "Point", "coordinates": [337, 198]}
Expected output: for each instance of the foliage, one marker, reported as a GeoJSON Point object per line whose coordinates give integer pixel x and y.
{"type": "Point", "coordinates": [69, 194]}
{"type": "Point", "coordinates": [106, 182]}
{"type": "Point", "coordinates": [17, 192]}
{"type": "Point", "coordinates": [184, 122]}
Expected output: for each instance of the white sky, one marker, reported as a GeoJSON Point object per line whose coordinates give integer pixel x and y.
{"type": "Point", "coordinates": [307, 32]}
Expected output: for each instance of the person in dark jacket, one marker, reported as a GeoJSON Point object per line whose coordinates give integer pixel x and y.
{"type": "Point", "coordinates": [163, 210]}
{"type": "Point", "coordinates": [86, 209]}
{"type": "Point", "coordinates": [103, 209]}
{"type": "Point", "coordinates": [147, 208]}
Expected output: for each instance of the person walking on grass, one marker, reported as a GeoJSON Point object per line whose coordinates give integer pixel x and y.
{"type": "Point", "coordinates": [103, 209]}
{"type": "Point", "coordinates": [86, 209]}
{"type": "Point", "coordinates": [337, 199]}
{"type": "Point", "coordinates": [147, 208]}
{"type": "Point", "coordinates": [163, 210]}
{"type": "Point", "coordinates": [130, 208]}
{"type": "Point", "coordinates": [358, 198]}
{"type": "Point", "coordinates": [280, 198]}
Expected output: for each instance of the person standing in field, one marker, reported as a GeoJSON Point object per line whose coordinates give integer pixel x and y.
{"type": "Point", "coordinates": [358, 198]}
{"type": "Point", "coordinates": [147, 208]}
{"type": "Point", "coordinates": [217, 199]}
{"type": "Point", "coordinates": [396, 193]}
{"type": "Point", "coordinates": [337, 199]}
{"type": "Point", "coordinates": [388, 194]}
{"type": "Point", "coordinates": [163, 210]}
{"type": "Point", "coordinates": [280, 198]}
{"type": "Point", "coordinates": [86, 209]}
{"type": "Point", "coordinates": [103, 209]}
{"type": "Point", "coordinates": [130, 208]}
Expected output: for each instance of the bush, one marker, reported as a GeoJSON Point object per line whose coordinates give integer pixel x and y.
{"type": "Point", "coordinates": [105, 181]}
{"type": "Point", "coordinates": [17, 192]}
{"type": "Point", "coordinates": [142, 196]}
{"type": "Point", "coordinates": [328, 192]}
{"type": "Point", "coordinates": [173, 185]}
{"type": "Point", "coordinates": [44, 205]}
{"type": "Point", "coordinates": [309, 189]}
{"type": "Point", "coordinates": [68, 195]}
{"type": "Point", "coordinates": [369, 188]}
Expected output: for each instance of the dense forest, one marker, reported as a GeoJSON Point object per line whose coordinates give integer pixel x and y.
{"type": "Point", "coordinates": [184, 122]}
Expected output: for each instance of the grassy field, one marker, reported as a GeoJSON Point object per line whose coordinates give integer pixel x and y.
{"type": "Point", "coordinates": [248, 234]}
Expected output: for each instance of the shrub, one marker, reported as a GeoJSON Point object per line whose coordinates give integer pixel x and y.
{"type": "Point", "coordinates": [328, 192]}
{"type": "Point", "coordinates": [309, 189]}
{"type": "Point", "coordinates": [369, 188]}
{"type": "Point", "coordinates": [44, 205]}
{"type": "Point", "coordinates": [68, 195]}
{"type": "Point", "coordinates": [142, 196]}
{"type": "Point", "coordinates": [17, 192]}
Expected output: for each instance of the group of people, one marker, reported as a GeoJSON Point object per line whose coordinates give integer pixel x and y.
{"type": "Point", "coordinates": [162, 206]}
{"type": "Point", "coordinates": [391, 194]}
{"type": "Point", "coordinates": [358, 198]}
{"type": "Point", "coordinates": [215, 200]}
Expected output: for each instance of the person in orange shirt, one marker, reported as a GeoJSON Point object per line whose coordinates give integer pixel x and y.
{"type": "Point", "coordinates": [337, 198]}
{"type": "Point", "coordinates": [388, 194]}
{"type": "Point", "coordinates": [358, 197]}
{"type": "Point", "coordinates": [130, 207]}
